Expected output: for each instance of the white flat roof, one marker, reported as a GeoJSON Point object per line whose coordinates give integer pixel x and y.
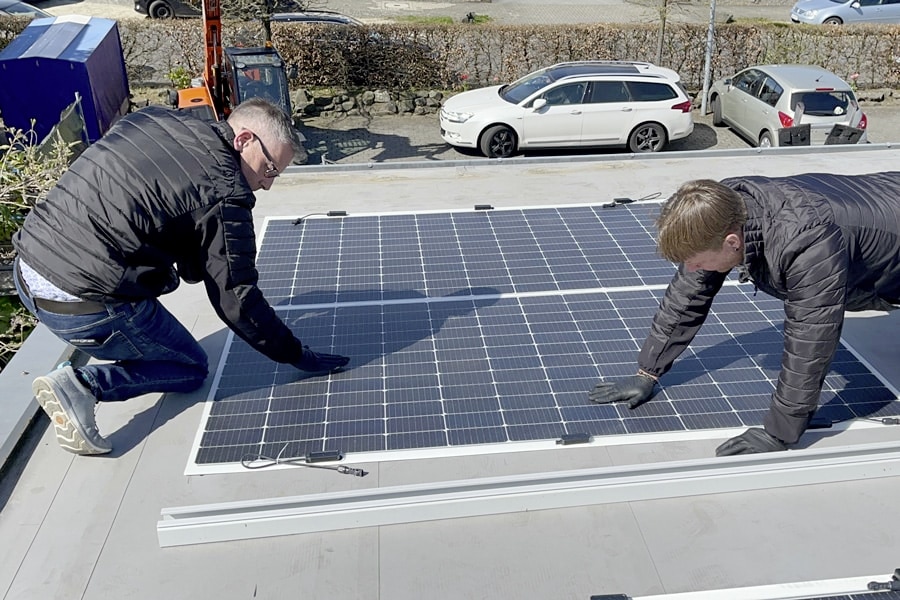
{"type": "Point", "coordinates": [86, 527]}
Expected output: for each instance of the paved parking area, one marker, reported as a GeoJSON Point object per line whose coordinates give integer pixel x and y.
{"type": "Point", "coordinates": [356, 139]}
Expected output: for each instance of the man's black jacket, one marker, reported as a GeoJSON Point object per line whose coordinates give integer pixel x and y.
{"type": "Point", "coordinates": [821, 243]}
{"type": "Point", "coordinates": [160, 189]}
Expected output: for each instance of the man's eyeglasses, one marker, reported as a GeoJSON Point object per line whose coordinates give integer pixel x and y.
{"type": "Point", "coordinates": [271, 170]}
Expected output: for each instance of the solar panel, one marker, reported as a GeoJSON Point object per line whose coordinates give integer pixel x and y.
{"type": "Point", "coordinates": [436, 254]}
{"type": "Point", "coordinates": [455, 341]}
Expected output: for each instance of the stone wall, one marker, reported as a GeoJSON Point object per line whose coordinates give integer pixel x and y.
{"type": "Point", "coordinates": [367, 103]}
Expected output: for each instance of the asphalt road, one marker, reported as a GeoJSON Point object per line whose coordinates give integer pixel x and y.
{"type": "Point", "coordinates": [499, 11]}
{"type": "Point", "coordinates": [356, 139]}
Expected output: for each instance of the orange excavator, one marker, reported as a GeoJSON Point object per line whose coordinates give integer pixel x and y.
{"type": "Point", "coordinates": [231, 75]}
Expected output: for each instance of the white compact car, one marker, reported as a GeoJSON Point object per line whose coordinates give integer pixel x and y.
{"type": "Point", "coordinates": [571, 105]}
{"type": "Point", "coordinates": [838, 12]}
{"type": "Point", "coordinates": [761, 102]}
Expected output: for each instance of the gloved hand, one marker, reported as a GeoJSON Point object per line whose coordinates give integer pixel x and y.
{"type": "Point", "coordinates": [636, 389]}
{"type": "Point", "coordinates": [320, 362]}
{"type": "Point", "coordinates": [753, 441]}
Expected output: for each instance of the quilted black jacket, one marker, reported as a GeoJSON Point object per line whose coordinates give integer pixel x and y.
{"type": "Point", "coordinates": [823, 244]}
{"type": "Point", "coordinates": [160, 189]}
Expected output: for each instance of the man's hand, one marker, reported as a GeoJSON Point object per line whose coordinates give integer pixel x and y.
{"type": "Point", "coordinates": [636, 389]}
{"type": "Point", "coordinates": [319, 362]}
{"type": "Point", "coordinates": [753, 441]}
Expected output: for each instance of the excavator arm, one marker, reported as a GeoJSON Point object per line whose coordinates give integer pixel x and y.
{"type": "Point", "coordinates": [207, 100]}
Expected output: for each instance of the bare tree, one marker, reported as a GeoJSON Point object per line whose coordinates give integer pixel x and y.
{"type": "Point", "coordinates": [663, 14]}
{"type": "Point", "coordinates": [262, 10]}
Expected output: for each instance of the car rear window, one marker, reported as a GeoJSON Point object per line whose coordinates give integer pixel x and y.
{"type": "Point", "coordinates": [824, 104]}
{"type": "Point", "coordinates": [649, 91]}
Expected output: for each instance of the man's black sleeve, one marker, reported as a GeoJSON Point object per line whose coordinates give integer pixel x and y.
{"type": "Point", "coordinates": [814, 269]}
{"type": "Point", "coordinates": [681, 313]}
{"type": "Point", "coordinates": [231, 283]}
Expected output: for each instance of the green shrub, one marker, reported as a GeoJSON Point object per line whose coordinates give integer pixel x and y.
{"type": "Point", "coordinates": [180, 78]}
{"type": "Point", "coordinates": [15, 325]}
{"type": "Point", "coordinates": [27, 172]}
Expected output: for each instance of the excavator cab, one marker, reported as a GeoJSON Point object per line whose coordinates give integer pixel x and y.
{"type": "Point", "coordinates": [255, 73]}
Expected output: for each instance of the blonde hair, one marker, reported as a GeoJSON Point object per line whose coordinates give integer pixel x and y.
{"type": "Point", "coordinates": [697, 218]}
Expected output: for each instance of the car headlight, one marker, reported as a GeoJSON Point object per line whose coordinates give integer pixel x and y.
{"type": "Point", "coordinates": [809, 13]}
{"type": "Point", "coordinates": [456, 117]}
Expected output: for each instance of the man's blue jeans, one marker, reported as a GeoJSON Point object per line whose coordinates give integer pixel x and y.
{"type": "Point", "coordinates": [152, 351]}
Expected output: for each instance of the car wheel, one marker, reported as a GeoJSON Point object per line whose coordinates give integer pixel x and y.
{"type": "Point", "coordinates": [160, 10]}
{"type": "Point", "coordinates": [832, 21]}
{"type": "Point", "coordinates": [717, 112]}
{"type": "Point", "coordinates": [498, 141]}
{"type": "Point", "coordinates": [765, 140]}
{"type": "Point", "coordinates": [647, 137]}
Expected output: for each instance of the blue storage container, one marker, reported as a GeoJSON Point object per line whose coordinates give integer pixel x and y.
{"type": "Point", "coordinates": [44, 66]}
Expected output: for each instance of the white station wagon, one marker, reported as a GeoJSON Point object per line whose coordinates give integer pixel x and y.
{"type": "Point", "coordinates": [572, 105]}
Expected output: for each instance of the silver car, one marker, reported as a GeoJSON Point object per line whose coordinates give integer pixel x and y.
{"type": "Point", "coordinates": [767, 103]}
{"type": "Point", "coordinates": [837, 12]}
{"type": "Point", "coordinates": [14, 8]}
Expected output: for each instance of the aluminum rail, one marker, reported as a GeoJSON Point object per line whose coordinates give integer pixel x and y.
{"type": "Point", "coordinates": [537, 491]}
{"type": "Point", "coordinates": [799, 590]}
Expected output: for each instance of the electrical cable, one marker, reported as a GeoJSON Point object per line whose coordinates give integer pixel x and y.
{"type": "Point", "coordinates": [625, 200]}
{"type": "Point", "coordinates": [893, 585]}
{"type": "Point", "coordinates": [330, 213]}
{"type": "Point", "coordinates": [249, 461]}
{"type": "Point", "coordinates": [884, 420]}
{"type": "Point", "coordinates": [299, 220]}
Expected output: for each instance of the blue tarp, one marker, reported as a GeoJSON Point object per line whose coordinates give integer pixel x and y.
{"type": "Point", "coordinates": [44, 66]}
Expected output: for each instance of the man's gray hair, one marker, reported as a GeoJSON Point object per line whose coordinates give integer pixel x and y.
{"type": "Point", "coordinates": [262, 117]}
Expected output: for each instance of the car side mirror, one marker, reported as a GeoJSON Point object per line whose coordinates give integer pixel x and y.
{"type": "Point", "coordinates": [854, 5]}
{"type": "Point", "coordinates": [539, 103]}
{"type": "Point", "coordinates": [727, 82]}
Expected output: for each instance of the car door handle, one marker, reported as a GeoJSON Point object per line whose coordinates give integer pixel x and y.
{"type": "Point", "coordinates": [627, 109]}
{"type": "Point", "coordinates": [575, 112]}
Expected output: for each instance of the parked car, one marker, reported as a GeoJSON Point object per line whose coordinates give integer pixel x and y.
{"type": "Point", "coordinates": [575, 104]}
{"type": "Point", "coordinates": [14, 8]}
{"type": "Point", "coordinates": [315, 16]}
{"type": "Point", "coordinates": [838, 12]}
{"type": "Point", "coordinates": [168, 9]}
{"type": "Point", "coordinates": [759, 101]}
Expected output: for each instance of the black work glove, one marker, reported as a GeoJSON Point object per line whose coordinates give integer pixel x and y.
{"type": "Point", "coordinates": [636, 389]}
{"type": "Point", "coordinates": [753, 441]}
{"type": "Point", "coordinates": [319, 362]}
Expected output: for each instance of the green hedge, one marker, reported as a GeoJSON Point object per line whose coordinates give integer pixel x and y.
{"type": "Point", "coordinates": [461, 55]}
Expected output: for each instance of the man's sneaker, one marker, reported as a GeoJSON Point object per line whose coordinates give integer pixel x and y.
{"type": "Point", "coordinates": [70, 407]}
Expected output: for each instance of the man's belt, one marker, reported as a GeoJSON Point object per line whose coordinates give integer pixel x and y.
{"type": "Point", "coordinates": [79, 307]}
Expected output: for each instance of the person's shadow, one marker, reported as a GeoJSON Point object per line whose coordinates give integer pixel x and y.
{"type": "Point", "coordinates": [746, 368]}
{"type": "Point", "coordinates": [326, 146]}
{"type": "Point", "coordinates": [257, 393]}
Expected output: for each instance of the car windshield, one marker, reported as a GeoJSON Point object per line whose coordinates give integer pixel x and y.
{"type": "Point", "coordinates": [824, 104]}
{"type": "Point", "coordinates": [521, 89]}
{"type": "Point", "coordinates": [18, 8]}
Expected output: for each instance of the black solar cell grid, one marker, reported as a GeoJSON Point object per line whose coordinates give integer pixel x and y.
{"type": "Point", "coordinates": [490, 327]}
